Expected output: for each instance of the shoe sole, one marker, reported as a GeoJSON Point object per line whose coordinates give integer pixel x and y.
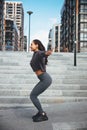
{"type": "Point", "coordinates": [45, 119]}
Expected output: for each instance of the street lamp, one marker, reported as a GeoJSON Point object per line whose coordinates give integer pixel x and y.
{"type": "Point", "coordinates": [75, 41]}
{"type": "Point", "coordinates": [75, 53]}
{"type": "Point", "coordinates": [28, 43]}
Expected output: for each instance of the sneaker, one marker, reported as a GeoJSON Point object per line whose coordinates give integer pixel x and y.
{"type": "Point", "coordinates": [36, 115]}
{"type": "Point", "coordinates": [40, 117]}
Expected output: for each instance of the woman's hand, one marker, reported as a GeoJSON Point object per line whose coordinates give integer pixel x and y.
{"type": "Point", "coordinates": [49, 52]}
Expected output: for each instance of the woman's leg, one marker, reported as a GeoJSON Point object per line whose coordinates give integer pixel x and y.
{"type": "Point", "coordinates": [45, 81]}
{"type": "Point", "coordinates": [34, 99]}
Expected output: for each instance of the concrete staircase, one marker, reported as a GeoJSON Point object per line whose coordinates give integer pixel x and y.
{"type": "Point", "coordinates": [17, 79]}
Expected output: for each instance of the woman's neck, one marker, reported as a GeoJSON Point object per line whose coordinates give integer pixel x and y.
{"type": "Point", "coordinates": [36, 50]}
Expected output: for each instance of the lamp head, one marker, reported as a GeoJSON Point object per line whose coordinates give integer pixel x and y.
{"type": "Point", "coordinates": [29, 12]}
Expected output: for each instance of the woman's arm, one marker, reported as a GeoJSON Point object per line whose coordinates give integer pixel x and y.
{"type": "Point", "coordinates": [45, 53]}
{"type": "Point", "coordinates": [49, 52]}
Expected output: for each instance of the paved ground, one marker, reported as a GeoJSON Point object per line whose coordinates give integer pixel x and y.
{"type": "Point", "coordinates": [65, 116]}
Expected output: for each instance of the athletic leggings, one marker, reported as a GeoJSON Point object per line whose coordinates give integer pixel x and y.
{"type": "Point", "coordinates": [44, 83]}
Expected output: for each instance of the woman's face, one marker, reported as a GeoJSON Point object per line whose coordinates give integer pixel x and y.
{"type": "Point", "coordinates": [34, 47]}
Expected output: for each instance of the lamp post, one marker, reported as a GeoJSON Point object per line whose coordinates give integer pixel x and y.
{"type": "Point", "coordinates": [75, 41]}
{"type": "Point", "coordinates": [28, 43]}
{"type": "Point", "coordinates": [76, 31]}
{"type": "Point", "coordinates": [75, 53]}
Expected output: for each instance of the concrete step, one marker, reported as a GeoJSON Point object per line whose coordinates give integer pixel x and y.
{"type": "Point", "coordinates": [61, 54]}
{"type": "Point", "coordinates": [15, 54]}
{"type": "Point", "coordinates": [35, 80]}
{"type": "Point", "coordinates": [17, 78]}
{"type": "Point", "coordinates": [50, 70]}
{"type": "Point", "coordinates": [54, 76]}
{"type": "Point", "coordinates": [57, 67]}
{"type": "Point", "coordinates": [26, 100]}
{"type": "Point", "coordinates": [57, 62]}
{"type": "Point", "coordinates": [53, 86]}
{"type": "Point", "coordinates": [50, 92]}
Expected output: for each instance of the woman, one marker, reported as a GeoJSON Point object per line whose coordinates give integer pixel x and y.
{"type": "Point", "coordinates": [38, 64]}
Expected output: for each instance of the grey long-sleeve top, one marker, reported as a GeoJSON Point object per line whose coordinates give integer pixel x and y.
{"type": "Point", "coordinates": [38, 61]}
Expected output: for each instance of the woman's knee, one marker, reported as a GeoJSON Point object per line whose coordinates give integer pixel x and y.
{"type": "Point", "coordinates": [32, 96]}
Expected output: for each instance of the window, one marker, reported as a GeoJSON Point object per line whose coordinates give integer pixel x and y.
{"type": "Point", "coordinates": [83, 44]}
{"type": "Point", "coordinates": [83, 36]}
{"type": "Point", "coordinates": [18, 12]}
{"type": "Point", "coordinates": [83, 18]}
{"type": "Point", "coordinates": [83, 26]}
{"type": "Point", "coordinates": [83, 8]}
{"type": "Point", "coordinates": [83, 1]}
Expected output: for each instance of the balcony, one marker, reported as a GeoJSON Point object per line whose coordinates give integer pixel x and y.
{"type": "Point", "coordinates": [83, 1]}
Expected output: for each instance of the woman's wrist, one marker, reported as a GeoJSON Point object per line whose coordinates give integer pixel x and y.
{"type": "Point", "coordinates": [49, 52]}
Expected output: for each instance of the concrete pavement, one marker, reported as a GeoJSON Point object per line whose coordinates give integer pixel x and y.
{"type": "Point", "coordinates": [62, 116]}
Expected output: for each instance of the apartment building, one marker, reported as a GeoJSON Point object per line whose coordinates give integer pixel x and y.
{"type": "Point", "coordinates": [11, 35]}
{"type": "Point", "coordinates": [1, 23]}
{"type": "Point", "coordinates": [14, 11]}
{"type": "Point", "coordinates": [25, 43]}
{"type": "Point", "coordinates": [74, 25]}
{"type": "Point", "coordinates": [54, 38]}
{"type": "Point", "coordinates": [49, 46]}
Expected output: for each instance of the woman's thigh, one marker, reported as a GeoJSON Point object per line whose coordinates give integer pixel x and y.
{"type": "Point", "coordinates": [39, 88]}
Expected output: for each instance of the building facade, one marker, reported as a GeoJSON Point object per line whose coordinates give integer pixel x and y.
{"type": "Point", "coordinates": [49, 46]}
{"type": "Point", "coordinates": [74, 25]}
{"type": "Point", "coordinates": [14, 11]}
{"type": "Point", "coordinates": [25, 43]}
{"type": "Point", "coordinates": [1, 23]}
{"type": "Point", "coordinates": [54, 38]}
{"type": "Point", "coordinates": [11, 35]}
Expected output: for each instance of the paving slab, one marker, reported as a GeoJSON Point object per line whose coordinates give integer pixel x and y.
{"type": "Point", "coordinates": [62, 116]}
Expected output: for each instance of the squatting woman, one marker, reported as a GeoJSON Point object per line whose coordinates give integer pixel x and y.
{"type": "Point", "coordinates": [38, 64]}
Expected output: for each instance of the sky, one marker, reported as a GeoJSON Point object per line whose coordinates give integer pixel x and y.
{"type": "Point", "coordinates": [46, 13]}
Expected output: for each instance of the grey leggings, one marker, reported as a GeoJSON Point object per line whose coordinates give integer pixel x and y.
{"type": "Point", "coordinates": [44, 83]}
